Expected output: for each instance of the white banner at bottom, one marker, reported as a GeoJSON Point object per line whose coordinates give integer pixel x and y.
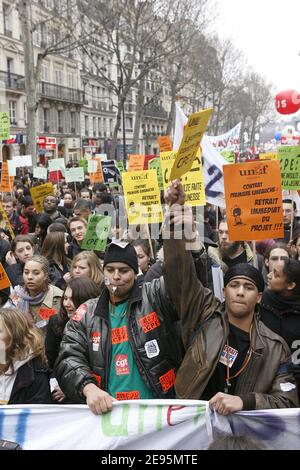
{"type": "Point", "coordinates": [144, 425]}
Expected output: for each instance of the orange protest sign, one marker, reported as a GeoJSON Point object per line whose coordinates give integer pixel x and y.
{"type": "Point", "coordinates": [253, 200]}
{"type": "Point", "coordinates": [136, 162]}
{"type": "Point", "coordinates": [97, 176]}
{"type": "Point", "coordinates": [165, 143]}
{"type": "Point", "coordinates": [4, 280]}
{"type": "Point", "coordinates": [7, 182]}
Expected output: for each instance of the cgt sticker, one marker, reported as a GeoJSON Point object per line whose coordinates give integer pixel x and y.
{"type": "Point", "coordinates": [122, 364]}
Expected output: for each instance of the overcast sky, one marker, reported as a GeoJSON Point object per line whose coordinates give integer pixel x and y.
{"type": "Point", "coordinates": [268, 32]}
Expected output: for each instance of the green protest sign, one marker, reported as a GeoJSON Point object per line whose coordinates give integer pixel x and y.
{"type": "Point", "coordinates": [228, 155]}
{"type": "Point", "coordinates": [97, 233]}
{"type": "Point", "coordinates": [4, 126]}
{"type": "Point", "coordinates": [154, 164]}
{"type": "Point", "coordinates": [83, 164]}
{"type": "Point", "coordinates": [289, 158]}
{"type": "Point", "coordinates": [120, 166]}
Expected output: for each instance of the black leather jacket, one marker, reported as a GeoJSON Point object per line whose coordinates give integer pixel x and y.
{"type": "Point", "coordinates": [150, 316]}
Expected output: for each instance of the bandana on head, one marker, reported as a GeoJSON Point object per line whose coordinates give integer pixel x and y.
{"type": "Point", "coordinates": [245, 270]}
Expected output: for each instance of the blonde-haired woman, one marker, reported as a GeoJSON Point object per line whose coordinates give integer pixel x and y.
{"type": "Point", "coordinates": [24, 377]}
{"type": "Point", "coordinates": [87, 264]}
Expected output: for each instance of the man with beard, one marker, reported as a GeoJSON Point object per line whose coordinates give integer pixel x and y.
{"type": "Point", "coordinates": [228, 254]}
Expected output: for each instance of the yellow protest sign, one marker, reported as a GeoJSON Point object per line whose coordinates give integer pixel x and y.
{"type": "Point", "coordinates": [6, 220]}
{"type": "Point", "coordinates": [142, 197]}
{"type": "Point", "coordinates": [4, 279]}
{"type": "Point", "coordinates": [193, 181]}
{"type": "Point", "coordinates": [192, 136]}
{"type": "Point", "coordinates": [136, 162]}
{"type": "Point", "coordinates": [268, 156]}
{"type": "Point", "coordinates": [38, 193]}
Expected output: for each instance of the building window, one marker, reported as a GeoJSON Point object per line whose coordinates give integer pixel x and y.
{"type": "Point", "coordinates": [94, 127]}
{"type": "Point", "coordinates": [7, 19]}
{"type": "Point", "coordinates": [86, 125]}
{"type": "Point", "coordinates": [60, 117]}
{"type": "Point", "coordinates": [44, 73]}
{"type": "Point", "coordinates": [46, 120]}
{"type": "Point", "coordinates": [128, 123]}
{"type": "Point", "coordinates": [58, 76]}
{"type": "Point", "coordinates": [25, 113]}
{"type": "Point", "coordinates": [73, 122]}
{"type": "Point", "coordinates": [99, 127]}
{"type": "Point", "coordinates": [12, 106]}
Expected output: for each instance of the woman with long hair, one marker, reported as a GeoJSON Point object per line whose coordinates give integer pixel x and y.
{"type": "Point", "coordinates": [78, 291]}
{"type": "Point", "coordinates": [55, 248]}
{"type": "Point", "coordinates": [22, 249]}
{"type": "Point", "coordinates": [87, 264]}
{"type": "Point", "coordinates": [24, 377]}
{"type": "Point", "coordinates": [36, 298]}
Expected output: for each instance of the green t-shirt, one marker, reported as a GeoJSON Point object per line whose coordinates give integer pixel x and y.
{"type": "Point", "coordinates": [125, 381]}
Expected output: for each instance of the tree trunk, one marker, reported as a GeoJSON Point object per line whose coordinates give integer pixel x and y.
{"type": "Point", "coordinates": [138, 116]}
{"type": "Point", "coordinates": [30, 78]}
{"type": "Point", "coordinates": [116, 128]}
{"type": "Point", "coordinates": [171, 118]}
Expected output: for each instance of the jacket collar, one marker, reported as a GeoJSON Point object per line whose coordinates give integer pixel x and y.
{"type": "Point", "coordinates": [103, 302]}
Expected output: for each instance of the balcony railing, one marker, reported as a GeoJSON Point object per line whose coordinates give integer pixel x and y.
{"type": "Point", "coordinates": [61, 93]}
{"type": "Point", "coordinates": [12, 80]}
{"type": "Point", "coordinates": [155, 112]}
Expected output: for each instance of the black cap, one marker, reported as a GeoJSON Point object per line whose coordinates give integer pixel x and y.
{"type": "Point", "coordinates": [120, 252]}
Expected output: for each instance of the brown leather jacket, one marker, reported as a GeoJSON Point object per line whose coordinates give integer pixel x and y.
{"type": "Point", "coordinates": [267, 381]}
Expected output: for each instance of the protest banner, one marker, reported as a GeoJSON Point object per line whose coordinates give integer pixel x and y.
{"type": "Point", "coordinates": [193, 182]}
{"type": "Point", "coordinates": [268, 156]}
{"type": "Point", "coordinates": [180, 425]}
{"type": "Point", "coordinates": [228, 141]}
{"type": "Point", "coordinates": [92, 165]}
{"type": "Point", "coordinates": [6, 220]}
{"type": "Point", "coordinates": [164, 143]}
{"type": "Point", "coordinates": [95, 176]}
{"type": "Point", "coordinates": [289, 157]}
{"type": "Point", "coordinates": [154, 164]}
{"type": "Point", "coordinates": [253, 200]}
{"type": "Point", "coordinates": [110, 172]}
{"type": "Point", "coordinates": [120, 166]}
{"type": "Point", "coordinates": [4, 279]}
{"type": "Point", "coordinates": [74, 175]}
{"type": "Point", "coordinates": [12, 168]}
{"type": "Point", "coordinates": [22, 161]}
{"type": "Point", "coordinates": [136, 162]}
{"type": "Point", "coordinates": [38, 193]}
{"type": "Point", "coordinates": [142, 197]}
{"type": "Point", "coordinates": [56, 164]}
{"type": "Point", "coordinates": [4, 126]}
{"type": "Point", "coordinates": [148, 159]}
{"type": "Point", "coordinates": [189, 147]}
{"type": "Point", "coordinates": [40, 173]}
{"type": "Point", "coordinates": [101, 156]}
{"type": "Point", "coordinates": [7, 182]}
{"type": "Point", "coordinates": [97, 233]}
{"type": "Point", "coordinates": [212, 162]}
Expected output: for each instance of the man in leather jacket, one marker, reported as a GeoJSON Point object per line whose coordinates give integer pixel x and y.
{"type": "Point", "coordinates": [122, 345]}
{"type": "Point", "coordinates": [232, 359]}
